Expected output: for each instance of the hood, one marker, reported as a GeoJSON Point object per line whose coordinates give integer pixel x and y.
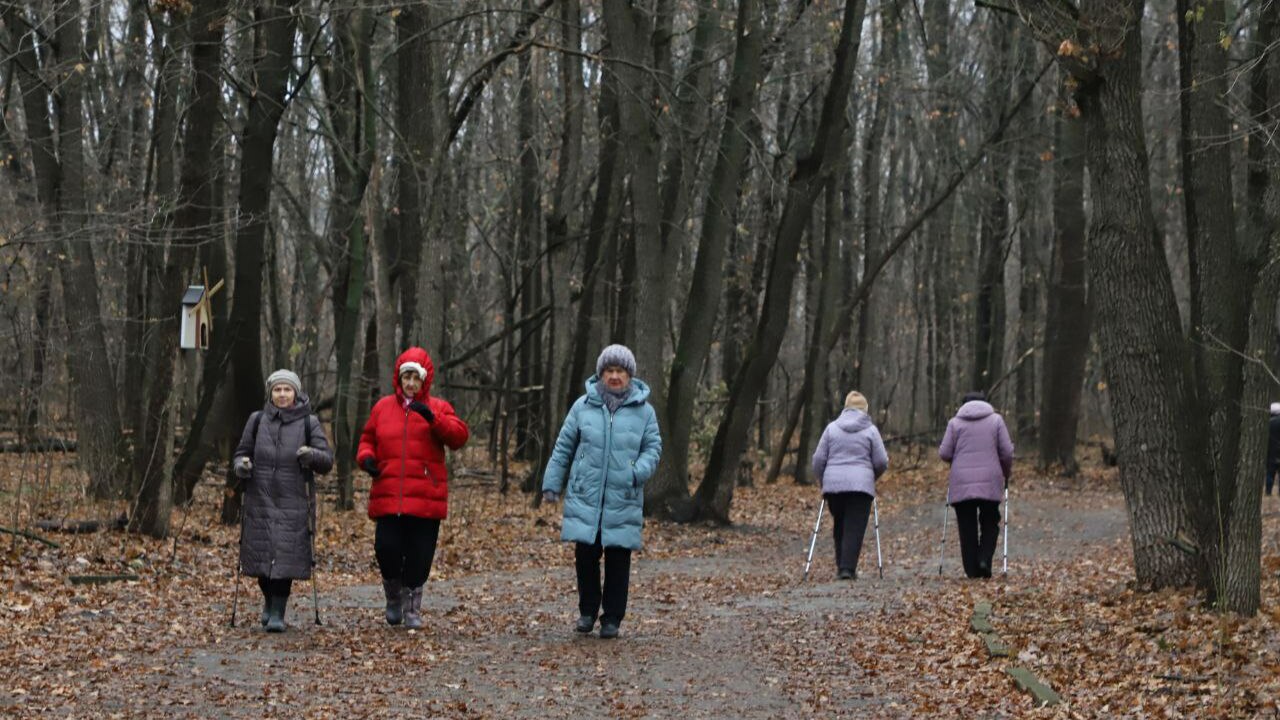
{"type": "Point", "coordinates": [975, 410]}
{"type": "Point", "coordinates": [301, 408]}
{"type": "Point", "coordinates": [853, 420]}
{"type": "Point", "coordinates": [639, 391]}
{"type": "Point", "coordinates": [420, 356]}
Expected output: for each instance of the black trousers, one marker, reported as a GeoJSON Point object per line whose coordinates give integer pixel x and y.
{"type": "Point", "coordinates": [978, 522]}
{"type": "Point", "coordinates": [278, 586]}
{"type": "Point", "coordinates": [617, 580]}
{"type": "Point", "coordinates": [849, 512]}
{"type": "Point", "coordinates": [405, 547]}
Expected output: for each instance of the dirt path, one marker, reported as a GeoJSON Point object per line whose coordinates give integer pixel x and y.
{"type": "Point", "coordinates": [717, 635]}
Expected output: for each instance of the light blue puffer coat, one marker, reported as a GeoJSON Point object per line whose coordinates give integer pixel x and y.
{"type": "Point", "coordinates": [605, 462]}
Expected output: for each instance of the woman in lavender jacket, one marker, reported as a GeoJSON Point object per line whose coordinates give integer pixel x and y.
{"type": "Point", "coordinates": [978, 447]}
{"type": "Point", "coordinates": [849, 458]}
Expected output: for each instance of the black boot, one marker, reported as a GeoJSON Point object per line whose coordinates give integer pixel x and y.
{"type": "Point", "coordinates": [266, 609]}
{"type": "Point", "coordinates": [395, 607]}
{"type": "Point", "coordinates": [411, 604]}
{"type": "Point", "coordinates": [608, 629]}
{"type": "Point", "coordinates": [275, 613]}
{"type": "Point", "coordinates": [586, 624]}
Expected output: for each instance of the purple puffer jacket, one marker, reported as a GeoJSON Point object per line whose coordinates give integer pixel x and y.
{"type": "Point", "coordinates": [978, 447]}
{"type": "Point", "coordinates": [850, 455]}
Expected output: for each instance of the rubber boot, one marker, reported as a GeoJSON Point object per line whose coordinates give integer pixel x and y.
{"type": "Point", "coordinates": [275, 613]}
{"type": "Point", "coordinates": [412, 607]}
{"type": "Point", "coordinates": [391, 588]}
{"type": "Point", "coordinates": [266, 609]}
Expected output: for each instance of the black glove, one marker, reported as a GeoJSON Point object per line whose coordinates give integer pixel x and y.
{"type": "Point", "coordinates": [422, 409]}
{"type": "Point", "coordinates": [370, 466]}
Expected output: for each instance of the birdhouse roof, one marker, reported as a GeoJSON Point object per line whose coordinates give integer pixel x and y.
{"type": "Point", "coordinates": [193, 294]}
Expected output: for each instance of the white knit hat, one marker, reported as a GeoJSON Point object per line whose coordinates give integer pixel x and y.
{"type": "Point", "coordinates": [287, 377]}
{"type": "Point", "coordinates": [412, 366]}
{"type": "Point", "coordinates": [616, 356]}
{"type": "Point", "coordinates": [1275, 408]}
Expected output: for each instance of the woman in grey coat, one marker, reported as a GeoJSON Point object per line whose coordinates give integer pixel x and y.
{"type": "Point", "coordinates": [850, 457]}
{"type": "Point", "coordinates": [281, 450]}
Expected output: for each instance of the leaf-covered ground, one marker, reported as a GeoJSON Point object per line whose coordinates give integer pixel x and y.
{"type": "Point", "coordinates": [719, 623]}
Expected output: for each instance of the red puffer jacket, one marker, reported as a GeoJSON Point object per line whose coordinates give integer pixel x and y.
{"type": "Point", "coordinates": [413, 479]}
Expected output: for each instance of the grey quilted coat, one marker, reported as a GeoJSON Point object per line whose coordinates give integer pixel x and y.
{"type": "Point", "coordinates": [279, 515]}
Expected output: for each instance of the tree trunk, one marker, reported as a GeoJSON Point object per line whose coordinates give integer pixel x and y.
{"type": "Point", "coordinates": [989, 313]}
{"type": "Point", "coordinates": [813, 171]}
{"type": "Point", "coordinates": [653, 256]}
{"type": "Point", "coordinates": [1143, 352]}
{"type": "Point", "coordinates": [153, 441]}
{"type": "Point", "coordinates": [274, 26]}
{"type": "Point", "coordinates": [348, 84]}
{"type": "Point", "coordinates": [814, 400]}
{"type": "Point", "coordinates": [98, 425]}
{"type": "Point", "coordinates": [1069, 317]}
{"type": "Point", "coordinates": [667, 494]}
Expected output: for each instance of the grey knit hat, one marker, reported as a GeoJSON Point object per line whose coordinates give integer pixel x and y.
{"type": "Point", "coordinates": [616, 356]}
{"type": "Point", "coordinates": [288, 377]}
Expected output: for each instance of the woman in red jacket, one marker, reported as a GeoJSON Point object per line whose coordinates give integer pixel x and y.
{"type": "Point", "coordinates": [402, 449]}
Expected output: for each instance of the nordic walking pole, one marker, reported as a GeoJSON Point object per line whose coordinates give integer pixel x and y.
{"type": "Point", "coordinates": [315, 527]}
{"type": "Point", "coordinates": [238, 568]}
{"type": "Point", "coordinates": [1005, 560]}
{"type": "Point", "coordinates": [814, 540]}
{"type": "Point", "coordinates": [943, 542]}
{"type": "Point", "coordinates": [875, 508]}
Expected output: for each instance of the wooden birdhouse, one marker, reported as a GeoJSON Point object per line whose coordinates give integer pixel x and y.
{"type": "Point", "coordinates": [197, 316]}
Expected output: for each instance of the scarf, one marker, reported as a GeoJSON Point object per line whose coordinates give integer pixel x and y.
{"type": "Point", "coordinates": [614, 399]}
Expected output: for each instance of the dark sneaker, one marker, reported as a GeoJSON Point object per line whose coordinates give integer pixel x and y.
{"type": "Point", "coordinates": [608, 630]}
{"type": "Point", "coordinates": [847, 574]}
{"type": "Point", "coordinates": [586, 624]}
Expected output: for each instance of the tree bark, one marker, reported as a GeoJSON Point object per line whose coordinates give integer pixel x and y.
{"type": "Point", "coordinates": [98, 424]}
{"type": "Point", "coordinates": [1069, 317]}
{"type": "Point", "coordinates": [627, 27]}
{"type": "Point", "coordinates": [667, 494]}
{"type": "Point", "coordinates": [274, 26]}
{"type": "Point", "coordinates": [348, 83]}
{"type": "Point", "coordinates": [813, 171]}
{"type": "Point", "coordinates": [1143, 352]}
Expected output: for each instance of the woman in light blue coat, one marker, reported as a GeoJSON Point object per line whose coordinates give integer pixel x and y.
{"type": "Point", "coordinates": [608, 447]}
{"type": "Point", "coordinates": [849, 459]}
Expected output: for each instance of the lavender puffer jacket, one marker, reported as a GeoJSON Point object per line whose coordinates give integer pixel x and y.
{"type": "Point", "coordinates": [850, 455]}
{"type": "Point", "coordinates": [978, 446]}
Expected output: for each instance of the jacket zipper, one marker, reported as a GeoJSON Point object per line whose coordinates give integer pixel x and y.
{"type": "Point", "coordinates": [604, 478]}
{"type": "Point", "coordinates": [404, 461]}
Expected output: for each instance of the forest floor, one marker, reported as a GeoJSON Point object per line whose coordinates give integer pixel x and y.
{"type": "Point", "coordinates": [719, 623]}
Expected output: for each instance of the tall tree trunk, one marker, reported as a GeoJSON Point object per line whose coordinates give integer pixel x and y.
{"type": "Point", "coordinates": [274, 27]}
{"type": "Point", "coordinates": [1144, 353]}
{"type": "Point", "coordinates": [870, 314]}
{"type": "Point", "coordinates": [627, 27]}
{"type": "Point", "coordinates": [1069, 317]}
{"type": "Point", "coordinates": [815, 366]}
{"type": "Point", "coordinates": [530, 256]}
{"type": "Point", "coordinates": [348, 84]}
{"type": "Point", "coordinates": [667, 494]}
{"type": "Point", "coordinates": [1223, 275]}
{"type": "Point", "coordinates": [813, 171]}
{"type": "Point", "coordinates": [98, 424]}
{"type": "Point", "coordinates": [192, 219]}
{"type": "Point", "coordinates": [989, 313]}
{"type": "Point", "coordinates": [941, 252]}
